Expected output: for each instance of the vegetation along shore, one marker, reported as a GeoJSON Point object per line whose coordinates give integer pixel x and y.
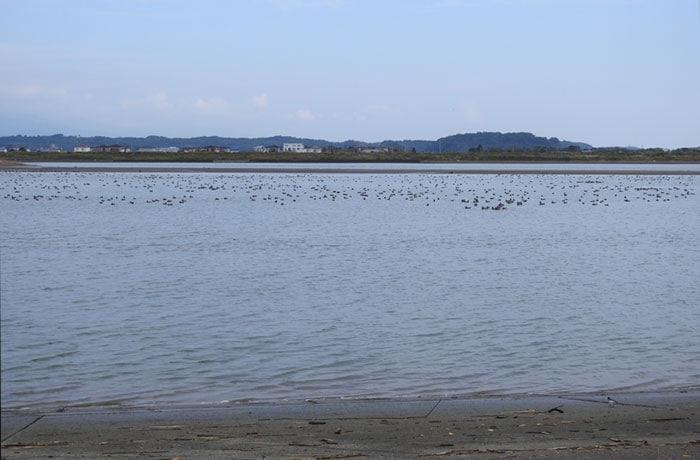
{"type": "Point", "coordinates": [684, 155]}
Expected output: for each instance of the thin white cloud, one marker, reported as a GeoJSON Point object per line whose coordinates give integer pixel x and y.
{"type": "Point", "coordinates": [305, 115]}
{"type": "Point", "coordinates": [15, 51]}
{"type": "Point", "coordinates": [449, 3]}
{"type": "Point", "coordinates": [212, 106]}
{"type": "Point", "coordinates": [29, 90]}
{"type": "Point", "coordinates": [308, 4]}
{"type": "Point", "coordinates": [160, 100]}
{"type": "Point", "coordinates": [472, 113]}
{"type": "Point", "coordinates": [21, 53]}
{"type": "Point", "coordinates": [32, 90]}
{"type": "Point", "coordinates": [260, 101]}
{"type": "Point", "coordinates": [458, 3]}
{"type": "Point", "coordinates": [380, 109]}
{"type": "Point", "coordinates": [157, 100]}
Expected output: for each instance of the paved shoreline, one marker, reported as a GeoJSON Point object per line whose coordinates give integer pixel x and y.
{"type": "Point", "coordinates": [458, 169]}
{"type": "Point", "coordinates": [640, 425]}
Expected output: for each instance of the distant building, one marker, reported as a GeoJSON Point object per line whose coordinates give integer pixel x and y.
{"type": "Point", "coordinates": [373, 149]}
{"type": "Point", "coordinates": [159, 149]}
{"type": "Point", "coordinates": [214, 149]}
{"type": "Point", "coordinates": [82, 148]}
{"type": "Point", "coordinates": [267, 148]}
{"type": "Point", "coordinates": [53, 148]}
{"type": "Point", "coordinates": [3, 149]}
{"type": "Point", "coordinates": [298, 147]}
{"type": "Point", "coordinates": [110, 149]}
{"type": "Point", "coordinates": [293, 147]}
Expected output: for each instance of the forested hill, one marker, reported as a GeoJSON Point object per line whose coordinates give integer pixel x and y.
{"type": "Point", "coordinates": [454, 143]}
{"type": "Point", "coordinates": [465, 142]}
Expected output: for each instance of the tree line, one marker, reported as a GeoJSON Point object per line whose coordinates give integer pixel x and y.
{"type": "Point", "coordinates": [490, 154]}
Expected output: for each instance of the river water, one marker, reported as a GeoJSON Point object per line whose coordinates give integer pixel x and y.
{"type": "Point", "coordinates": [202, 288]}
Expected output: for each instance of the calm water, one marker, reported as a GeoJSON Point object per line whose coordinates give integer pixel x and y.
{"type": "Point", "coordinates": [201, 288]}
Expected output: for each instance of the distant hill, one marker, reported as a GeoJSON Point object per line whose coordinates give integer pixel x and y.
{"type": "Point", "coordinates": [454, 143]}
{"type": "Point", "coordinates": [464, 142]}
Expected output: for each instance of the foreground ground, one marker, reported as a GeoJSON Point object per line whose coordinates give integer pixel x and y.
{"type": "Point", "coordinates": [659, 425]}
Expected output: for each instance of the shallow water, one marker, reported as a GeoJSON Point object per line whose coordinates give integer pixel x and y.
{"type": "Point", "coordinates": [200, 288]}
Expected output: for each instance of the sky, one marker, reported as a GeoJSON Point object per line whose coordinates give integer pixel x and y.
{"type": "Point", "coordinates": [605, 72]}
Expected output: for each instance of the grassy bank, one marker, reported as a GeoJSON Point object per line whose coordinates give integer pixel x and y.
{"type": "Point", "coordinates": [596, 155]}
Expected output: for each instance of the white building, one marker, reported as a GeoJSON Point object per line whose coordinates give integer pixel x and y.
{"type": "Point", "coordinates": [298, 148]}
{"type": "Point", "coordinates": [159, 149]}
{"type": "Point", "coordinates": [293, 147]}
{"type": "Point", "coordinates": [81, 148]}
{"type": "Point", "coordinates": [168, 149]}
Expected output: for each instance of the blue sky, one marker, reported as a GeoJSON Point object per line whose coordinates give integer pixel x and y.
{"type": "Point", "coordinates": [606, 72]}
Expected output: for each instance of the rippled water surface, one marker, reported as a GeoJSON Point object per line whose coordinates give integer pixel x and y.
{"type": "Point", "coordinates": [199, 288]}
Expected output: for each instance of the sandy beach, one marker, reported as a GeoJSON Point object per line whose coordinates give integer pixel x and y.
{"type": "Point", "coordinates": [458, 169]}
{"type": "Point", "coordinates": [638, 425]}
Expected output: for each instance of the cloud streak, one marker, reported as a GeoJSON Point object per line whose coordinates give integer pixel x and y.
{"type": "Point", "coordinates": [32, 90]}
{"type": "Point", "coordinates": [305, 115]}
{"type": "Point", "coordinates": [158, 100]}
{"type": "Point", "coordinates": [307, 4]}
{"type": "Point", "coordinates": [260, 101]}
{"type": "Point", "coordinates": [212, 106]}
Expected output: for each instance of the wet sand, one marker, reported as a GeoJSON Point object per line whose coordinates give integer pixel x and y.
{"type": "Point", "coordinates": [458, 169]}
{"type": "Point", "coordinates": [640, 425]}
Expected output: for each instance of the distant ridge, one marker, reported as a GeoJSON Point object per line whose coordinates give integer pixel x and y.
{"type": "Point", "coordinates": [454, 143]}
{"type": "Point", "coordinates": [464, 142]}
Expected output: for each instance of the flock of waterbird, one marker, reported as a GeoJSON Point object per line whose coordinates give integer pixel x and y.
{"type": "Point", "coordinates": [496, 192]}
